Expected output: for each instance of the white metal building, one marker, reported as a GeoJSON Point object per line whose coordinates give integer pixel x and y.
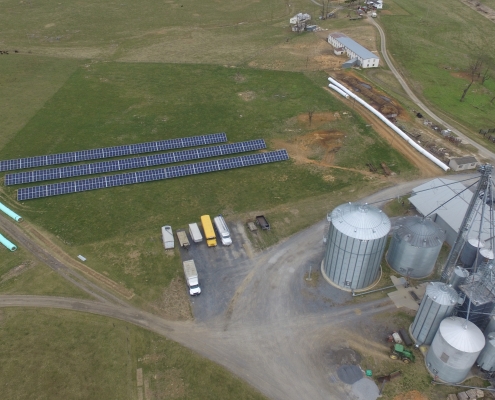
{"type": "Point", "coordinates": [366, 59]}
{"type": "Point", "coordinates": [431, 196]}
{"type": "Point", "coordinates": [462, 163]}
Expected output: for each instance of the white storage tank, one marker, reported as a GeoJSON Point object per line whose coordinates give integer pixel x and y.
{"type": "Point", "coordinates": [454, 349]}
{"type": "Point", "coordinates": [486, 359]}
{"type": "Point", "coordinates": [415, 246]}
{"type": "Point", "coordinates": [355, 244]}
{"type": "Point", "coordinates": [469, 251]}
{"type": "Point", "coordinates": [491, 326]}
{"type": "Point", "coordinates": [485, 256]}
{"type": "Point", "coordinates": [438, 303]}
{"type": "Point", "coordinates": [458, 277]}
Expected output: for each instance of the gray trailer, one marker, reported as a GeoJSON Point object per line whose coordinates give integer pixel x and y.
{"type": "Point", "coordinates": [182, 237]}
{"type": "Point", "coordinates": [262, 222]}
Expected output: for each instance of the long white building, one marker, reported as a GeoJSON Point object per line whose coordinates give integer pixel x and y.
{"type": "Point", "coordinates": [358, 54]}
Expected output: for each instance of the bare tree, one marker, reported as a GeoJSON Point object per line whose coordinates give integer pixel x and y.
{"type": "Point", "coordinates": [486, 75]}
{"type": "Point", "coordinates": [310, 116]}
{"type": "Point", "coordinates": [474, 70]}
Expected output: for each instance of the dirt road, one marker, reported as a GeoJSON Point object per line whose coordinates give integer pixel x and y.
{"type": "Point", "coordinates": [266, 337]}
{"type": "Point", "coordinates": [482, 150]}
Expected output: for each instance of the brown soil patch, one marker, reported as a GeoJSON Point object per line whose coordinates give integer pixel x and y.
{"type": "Point", "coordinates": [412, 395]}
{"type": "Point", "coordinates": [317, 118]}
{"type": "Point", "coordinates": [318, 146]}
{"type": "Point", "coordinates": [174, 303]}
{"type": "Point", "coordinates": [377, 99]}
{"type": "Point", "coordinates": [247, 96]}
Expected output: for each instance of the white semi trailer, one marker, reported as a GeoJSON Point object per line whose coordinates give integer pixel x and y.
{"type": "Point", "coordinates": [168, 237]}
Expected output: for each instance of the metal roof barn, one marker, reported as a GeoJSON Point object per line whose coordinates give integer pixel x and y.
{"type": "Point", "coordinates": [355, 245]}
{"type": "Point", "coordinates": [427, 198]}
{"type": "Point", "coordinates": [415, 246]}
{"type": "Point", "coordinates": [454, 350]}
{"type": "Point", "coordinates": [438, 303]}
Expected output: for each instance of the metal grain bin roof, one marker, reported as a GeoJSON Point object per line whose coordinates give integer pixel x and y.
{"type": "Point", "coordinates": [420, 232]}
{"type": "Point", "coordinates": [442, 293]}
{"type": "Point", "coordinates": [462, 335]}
{"type": "Point", "coordinates": [360, 221]}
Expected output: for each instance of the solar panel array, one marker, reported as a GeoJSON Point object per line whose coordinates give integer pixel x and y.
{"type": "Point", "coordinates": [130, 178]}
{"type": "Point", "coordinates": [109, 152]}
{"type": "Point", "coordinates": [132, 163]}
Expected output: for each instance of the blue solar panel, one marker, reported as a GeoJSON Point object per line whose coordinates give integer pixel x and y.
{"type": "Point", "coordinates": [108, 152]}
{"type": "Point", "coordinates": [150, 175]}
{"type": "Point", "coordinates": [132, 163]}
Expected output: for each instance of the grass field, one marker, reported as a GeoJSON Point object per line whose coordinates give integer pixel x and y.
{"type": "Point", "coordinates": [48, 354]}
{"type": "Point", "coordinates": [21, 273]}
{"type": "Point", "coordinates": [435, 57]}
{"type": "Point", "coordinates": [104, 104]}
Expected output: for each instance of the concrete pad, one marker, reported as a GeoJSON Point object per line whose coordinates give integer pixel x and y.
{"type": "Point", "coordinates": [139, 376]}
{"type": "Point", "coordinates": [402, 297]}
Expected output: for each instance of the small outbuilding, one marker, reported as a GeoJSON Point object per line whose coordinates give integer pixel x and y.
{"type": "Point", "coordinates": [463, 163]}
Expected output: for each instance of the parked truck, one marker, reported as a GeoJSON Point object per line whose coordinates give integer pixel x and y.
{"type": "Point", "coordinates": [191, 275]}
{"type": "Point", "coordinates": [168, 237]}
{"type": "Point", "coordinates": [195, 233]}
{"type": "Point", "coordinates": [182, 237]}
{"type": "Point", "coordinates": [223, 230]}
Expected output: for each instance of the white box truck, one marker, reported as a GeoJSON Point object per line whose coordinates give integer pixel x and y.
{"type": "Point", "coordinates": [195, 233]}
{"type": "Point", "coordinates": [223, 230]}
{"type": "Point", "coordinates": [168, 237]}
{"type": "Point", "coordinates": [191, 275]}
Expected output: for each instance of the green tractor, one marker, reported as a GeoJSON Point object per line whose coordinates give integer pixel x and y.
{"type": "Point", "coordinates": [401, 353]}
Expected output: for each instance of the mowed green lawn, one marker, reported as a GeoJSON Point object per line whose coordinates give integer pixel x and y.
{"type": "Point", "coordinates": [21, 273]}
{"type": "Point", "coordinates": [435, 42]}
{"type": "Point", "coordinates": [56, 354]}
{"type": "Point", "coordinates": [105, 104]}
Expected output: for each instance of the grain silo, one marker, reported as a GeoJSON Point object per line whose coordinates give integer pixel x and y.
{"type": "Point", "coordinates": [485, 256]}
{"type": "Point", "coordinates": [415, 246]}
{"type": "Point", "coordinates": [469, 251]}
{"type": "Point", "coordinates": [458, 277]}
{"type": "Point", "coordinates": [486, 359]}
{"type": "Point", "coordinates": [355, 244]}
{"type": "Point", "coordinates": [490, 327]}
{"type": "Point", "coordinates": [438, 303]}
{"type": "Point", "coordinates": [454, 349]}
{"type": "Point", "coordinates": [479, 296]}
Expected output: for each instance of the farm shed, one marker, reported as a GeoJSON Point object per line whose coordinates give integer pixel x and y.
{"type": "Point", "coordinates": [462, 163]}
{"type": "Point", "coordinates": [437, 197]}
{"type": "Point", "coordinates": [366, 59]}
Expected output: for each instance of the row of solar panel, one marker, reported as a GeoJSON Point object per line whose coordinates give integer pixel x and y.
{"type": "Point", "coordinates": [109, 152]}
{"type": "Point", "coordinates": [132, 163]}
{"type": "Point", "coordinates": [129, 178]}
